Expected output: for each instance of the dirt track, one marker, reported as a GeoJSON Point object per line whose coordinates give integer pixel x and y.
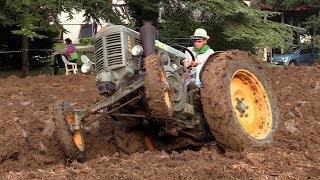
{"type": "Point", "coordinates": [28, 148]}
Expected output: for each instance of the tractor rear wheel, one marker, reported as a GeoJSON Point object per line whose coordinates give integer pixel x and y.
{"type": "Point", "coordinates": [72, 142]}
{"type": "Point", "coordinates": [238, 102]}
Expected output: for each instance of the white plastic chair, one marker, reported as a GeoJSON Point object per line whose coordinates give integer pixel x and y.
{"type": "Point", "coordinates": [87, 66]}
{"type": "Point", "coordinates": [74, 67]}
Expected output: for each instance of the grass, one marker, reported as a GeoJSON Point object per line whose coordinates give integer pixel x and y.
{"type": "Point", "coordinates": [59, 46]}
{"type": "Point", "coordinates": [272, 65]}
{"type": "Point", "coordinates": [81, 51]}
{"type": "Point", "coordinates": [48, 69]}
{"type": "Point", "coordinates": [33, 72]}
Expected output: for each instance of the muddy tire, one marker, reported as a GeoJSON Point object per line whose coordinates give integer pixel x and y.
{"type": "Point", "coordinates": [129, 141]}
{"type": "Point", "coordinates": [293, 63]}
{"type": "Point", "coordinates": [158, 92]}
{"type": "Point", "coordinates": [72, 142]}
{"type": "Point", "coordinates": [238, 102]}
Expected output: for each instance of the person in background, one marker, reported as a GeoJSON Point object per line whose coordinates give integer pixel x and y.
{"type": "Point", "coordinates": [71, 52]}
{"type": "Point", "coordinates": [201, 52]}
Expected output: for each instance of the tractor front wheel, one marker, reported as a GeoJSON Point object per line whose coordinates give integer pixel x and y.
{"type": "Point", "coordinates": [72, 142]}
{"type": "Point", "coordinates": [158, 92]}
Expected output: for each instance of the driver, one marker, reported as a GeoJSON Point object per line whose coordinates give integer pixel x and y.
{"type": "Point", "coordinates": [201, 52]}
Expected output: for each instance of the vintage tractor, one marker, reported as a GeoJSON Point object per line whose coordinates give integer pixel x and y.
{"type": "Point", "coordinates": [145, 90]}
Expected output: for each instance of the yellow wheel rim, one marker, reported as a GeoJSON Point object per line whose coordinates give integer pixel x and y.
{"type": "Point", "coordinates": [148, 143]}
{"type": "Point", "coordinates": [167, 99]}
{"type": "Point", "coordinates": [70, 118]}
{"type": "Point", "coordinates": [78, 140]}
{"type": "Point", "coordinates": [77, 137]}
{"type": "Point", "coordinates": [167, 95]}
{"type": "Point", "coordinates": [251, 104]}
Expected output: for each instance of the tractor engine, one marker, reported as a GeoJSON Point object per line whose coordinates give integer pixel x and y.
{"type": "Point", "coordinates": [116, 65]}
{"type": "Point", "coordinates": [119, 61]}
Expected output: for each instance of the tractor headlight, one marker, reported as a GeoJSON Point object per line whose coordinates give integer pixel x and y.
{"type": "Point", "coordinates": [137, 50]}
{"type": "Point", "coordinates": [86, 68]}
{"type": "Point", "coordinates": [174, 66]}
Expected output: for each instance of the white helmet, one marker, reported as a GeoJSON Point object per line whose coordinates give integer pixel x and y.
{"type": "Point", "coordinates": [200, 33]}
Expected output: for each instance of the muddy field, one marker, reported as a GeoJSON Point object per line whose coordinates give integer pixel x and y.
{"type": "Point", "coordinates": [28, 149]}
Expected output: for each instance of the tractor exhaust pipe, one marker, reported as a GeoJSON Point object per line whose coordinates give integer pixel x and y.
{"type": "Point", "coordinates": [148, 36]}
{"type": "Point", "coordinates": [157, 88]}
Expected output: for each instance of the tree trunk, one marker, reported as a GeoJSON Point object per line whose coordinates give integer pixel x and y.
{"type": "Point", "coordinates": [25, 56]}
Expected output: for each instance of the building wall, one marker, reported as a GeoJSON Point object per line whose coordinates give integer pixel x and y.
{"type": "Point", "coordinates": [72, 33]}
{"type": "Point", "coordinates": [74, 27]}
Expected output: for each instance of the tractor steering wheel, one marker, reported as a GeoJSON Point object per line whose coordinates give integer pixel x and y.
{"type": "Point", "coordinates": [185, 49]}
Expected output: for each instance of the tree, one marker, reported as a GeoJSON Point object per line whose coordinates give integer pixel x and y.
{"type": "Point", "coordinates": [311, 21]}
{"type": "Point", "coordinates": [143, 10]}
{"type": "Point", "coordinates": [10, 41]}
{"type": "Point", "coordinates": [31, 17]}
{"type": "Point", "coordinates": [232, 24]}
{"type": "Point", "coordinates": [290, 3]}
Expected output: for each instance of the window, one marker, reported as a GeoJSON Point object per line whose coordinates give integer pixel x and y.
{"type": "Point", "coordinates": [292, 49]}
{"type": "Point", "coordinates": [306, 50]}
{"type": "Point", "coordinates": [86, 31]}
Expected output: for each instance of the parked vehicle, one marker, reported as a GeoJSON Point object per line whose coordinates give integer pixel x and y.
{"type": "Point", "coordinates": [296, 55]}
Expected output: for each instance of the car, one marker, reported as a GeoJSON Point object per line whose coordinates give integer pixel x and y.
{"type": "Point", "coordinates": [296, 55]}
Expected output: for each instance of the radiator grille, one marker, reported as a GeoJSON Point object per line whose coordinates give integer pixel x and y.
{"type": "Point", "coordinates": [114, 50]}
{"type": "Point", "coordinates": [99, 54]}
{"type": "Point", "coordinates": [138, 41]}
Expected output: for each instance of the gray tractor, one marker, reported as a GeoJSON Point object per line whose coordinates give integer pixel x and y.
{"type": "Point", "coordinates": [144, 87]}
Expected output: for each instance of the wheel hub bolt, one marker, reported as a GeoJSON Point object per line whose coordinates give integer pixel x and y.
{"type": "Point", "coordinates": [241, 107]}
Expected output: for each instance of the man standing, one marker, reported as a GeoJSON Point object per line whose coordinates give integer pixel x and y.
{"type": "Point", "coordinates": [201, 52]}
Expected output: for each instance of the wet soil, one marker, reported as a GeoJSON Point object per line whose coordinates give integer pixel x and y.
{"type": "Point", "coordinates": [28, 149]}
